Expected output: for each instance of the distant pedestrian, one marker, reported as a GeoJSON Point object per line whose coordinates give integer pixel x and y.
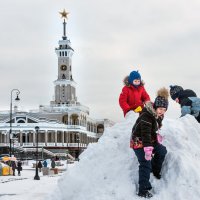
{"type": "Point", "coordinates": [45, 163]}
{"type": "Point", "coordinates": [40, 166]}
{"type": "Point", "coordinates": [57, 158]}
{"type": "Point", "coordinates": [19, 167]}
{"type": "Point", "coordinates": [14, 166]}
{"type": "Point", "coordinates": [53, 164]}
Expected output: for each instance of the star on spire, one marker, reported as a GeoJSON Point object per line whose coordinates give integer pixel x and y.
{"type": "Point", "coordinates": [64, 14]}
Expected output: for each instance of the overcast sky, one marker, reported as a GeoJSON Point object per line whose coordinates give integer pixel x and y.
{"type": "Point", "coordinates": [111, 38]}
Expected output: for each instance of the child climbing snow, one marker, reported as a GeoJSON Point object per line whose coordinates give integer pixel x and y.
{"type": "Point", "coordinates": [146, 141]}
{"type": "Point", "coordinates": [133, 95]}
{"type": "Point", "coordinates": [188, 100]}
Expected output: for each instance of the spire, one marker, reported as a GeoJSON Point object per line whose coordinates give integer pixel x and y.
{"type": "Point", "coordinates": [64, 15]}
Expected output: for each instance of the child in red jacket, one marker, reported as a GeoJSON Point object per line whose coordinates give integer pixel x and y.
{"type": "Point", "coordinates": [133, 95]}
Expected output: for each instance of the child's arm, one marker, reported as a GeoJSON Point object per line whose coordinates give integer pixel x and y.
{"type": "Point", "coordinates": [123, 100]}
{"type": "Point", "coordinates": [146, 127]}
{"type": "Point", "coordinates": [186, 106]}
{"type": "Point", "coordinates": [145, 96]}
{"type": "Point", "coordinates": [185, 110]}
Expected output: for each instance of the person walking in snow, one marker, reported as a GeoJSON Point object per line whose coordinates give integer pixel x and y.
{"type": "Point", "coordinates": [146, 141]}
{"type": "Point", "coordinates": [19, 167]}
{"type": "Point", "coordinates": [53, 163]}
{"type": "Point", "coordinates": [45, 163]}
{"type": "Point", "coordinates": [40, 166]}
{"type": "Point", "coordinates": [188, 100]}
{"type": "Point", "coordinates": [133, 95]}
{"type": "Point", "coordinates": [14, 166]}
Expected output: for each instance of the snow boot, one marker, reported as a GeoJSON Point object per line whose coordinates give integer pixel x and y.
{"type": "Point", "coordinates": [156, 174]}
{"type": "Point", "coordinates": [145, 194]}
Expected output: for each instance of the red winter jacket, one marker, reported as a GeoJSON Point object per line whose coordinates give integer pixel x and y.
{"type": "Point", "coordinates": [131, 97]}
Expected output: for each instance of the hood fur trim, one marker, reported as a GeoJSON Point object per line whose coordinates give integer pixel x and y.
{"type": "Point", "coordinates": [125, 81]}
{"type": "Point", "coordinates": [150, 109]}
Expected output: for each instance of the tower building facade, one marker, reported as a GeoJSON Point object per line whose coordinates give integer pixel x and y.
{"type": "Point", "coordinates": [65, 124]}
{"type": "Point", "coordinates": [65, 86]}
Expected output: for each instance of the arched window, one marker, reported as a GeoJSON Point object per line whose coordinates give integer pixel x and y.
{"type": "Point", "coordinates": [74, 119]}
{"type": "Point", "coordinates": [100, 128]}
{"type": "Point", "coordinates": [65, 119]}
{"type": "Point", "coordinates": [63, 76]}
{"type": "Point", "coordinates": [21, 121]}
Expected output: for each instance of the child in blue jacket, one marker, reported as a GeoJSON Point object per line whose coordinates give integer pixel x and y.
{"type": "Point", "coordinates": [188, 100]}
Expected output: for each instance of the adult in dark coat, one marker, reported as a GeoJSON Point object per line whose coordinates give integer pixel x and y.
{"type": "Point", "coordinates": [188, 100]}
{"type": "Point", "coordinates": [53, 164]}
{"type": "Point", "coordinates": [40, 166]}
{"type": "Point", "coordinates": [14, 166]}
{"type": "Point", "coordinates": [146, 141]}
{"type": "Point", "coordinates": [19, 167]}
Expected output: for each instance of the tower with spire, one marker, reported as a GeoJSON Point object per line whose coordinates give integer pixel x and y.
{"type": "Point", "coordinates": [65, 86]}
{"type": "Point", "coordinates": [65, 124]}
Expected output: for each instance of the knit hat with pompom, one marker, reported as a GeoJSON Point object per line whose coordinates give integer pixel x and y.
{"type": "Point", "coordinates": [161, 101]}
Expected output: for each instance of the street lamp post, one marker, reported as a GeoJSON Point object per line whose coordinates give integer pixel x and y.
{"type": "Point", "coordinates": [16, 99]}
{"type": "Point", "coordinates": [13, 152]}
{"type": "Point", "coordinates": [36, 166]}
{"type": "Point", "coordinates": [67, 151]}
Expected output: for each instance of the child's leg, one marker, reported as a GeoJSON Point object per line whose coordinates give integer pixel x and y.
{"type": "Point", "coordinates": [159, 155]}
{"type": "Point", "coordinates": [144, 170]}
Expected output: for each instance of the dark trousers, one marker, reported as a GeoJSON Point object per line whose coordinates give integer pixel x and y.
{"type": "Point", "coordinates": [145, 166]}
{"type": "Point", "coordinates": [13, 171]}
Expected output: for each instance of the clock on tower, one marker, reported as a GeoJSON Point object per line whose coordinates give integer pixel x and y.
{"type": "Point", "coordinates": [63, 67]}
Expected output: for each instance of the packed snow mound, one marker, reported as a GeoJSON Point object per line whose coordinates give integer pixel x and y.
{"type": "Point", "coordinates": [108, 170]}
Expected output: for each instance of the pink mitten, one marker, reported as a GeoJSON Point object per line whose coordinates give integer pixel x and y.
{"type": "Point", "coordinates": [148, 152]}
{"type": "Point", "coordinates": [159, 138]}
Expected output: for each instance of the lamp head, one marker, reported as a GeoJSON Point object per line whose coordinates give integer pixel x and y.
{"type": "Point", "coordinates": [37, 128]}
{"type": "Point", "coordinates": [17, 98]}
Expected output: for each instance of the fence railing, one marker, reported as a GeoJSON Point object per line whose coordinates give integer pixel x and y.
{"type": "Point", "coordinates": [53, 144]}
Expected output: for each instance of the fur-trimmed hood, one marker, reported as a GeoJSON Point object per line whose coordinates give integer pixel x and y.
{"type": "Point", "coordinates": [126, 83]}
{"type": "Point", "coordinates": [150, 109]}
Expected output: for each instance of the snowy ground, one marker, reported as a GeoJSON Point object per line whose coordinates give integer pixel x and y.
{"type": "Point", "coordinates": [108, 170]}
{"type": "Point", "coordinates": [24, 187]}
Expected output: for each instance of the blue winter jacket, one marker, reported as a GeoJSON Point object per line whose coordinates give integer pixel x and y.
{"type": "Point", "coordinates": [45, 163]}
{"type": "Point", "coordinates": [192, 109]}
{"type": "Point", "coordinates": [190, 103]}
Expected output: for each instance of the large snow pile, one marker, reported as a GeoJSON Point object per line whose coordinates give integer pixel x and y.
{"type": "Point", "coordinates": [108, 170]}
